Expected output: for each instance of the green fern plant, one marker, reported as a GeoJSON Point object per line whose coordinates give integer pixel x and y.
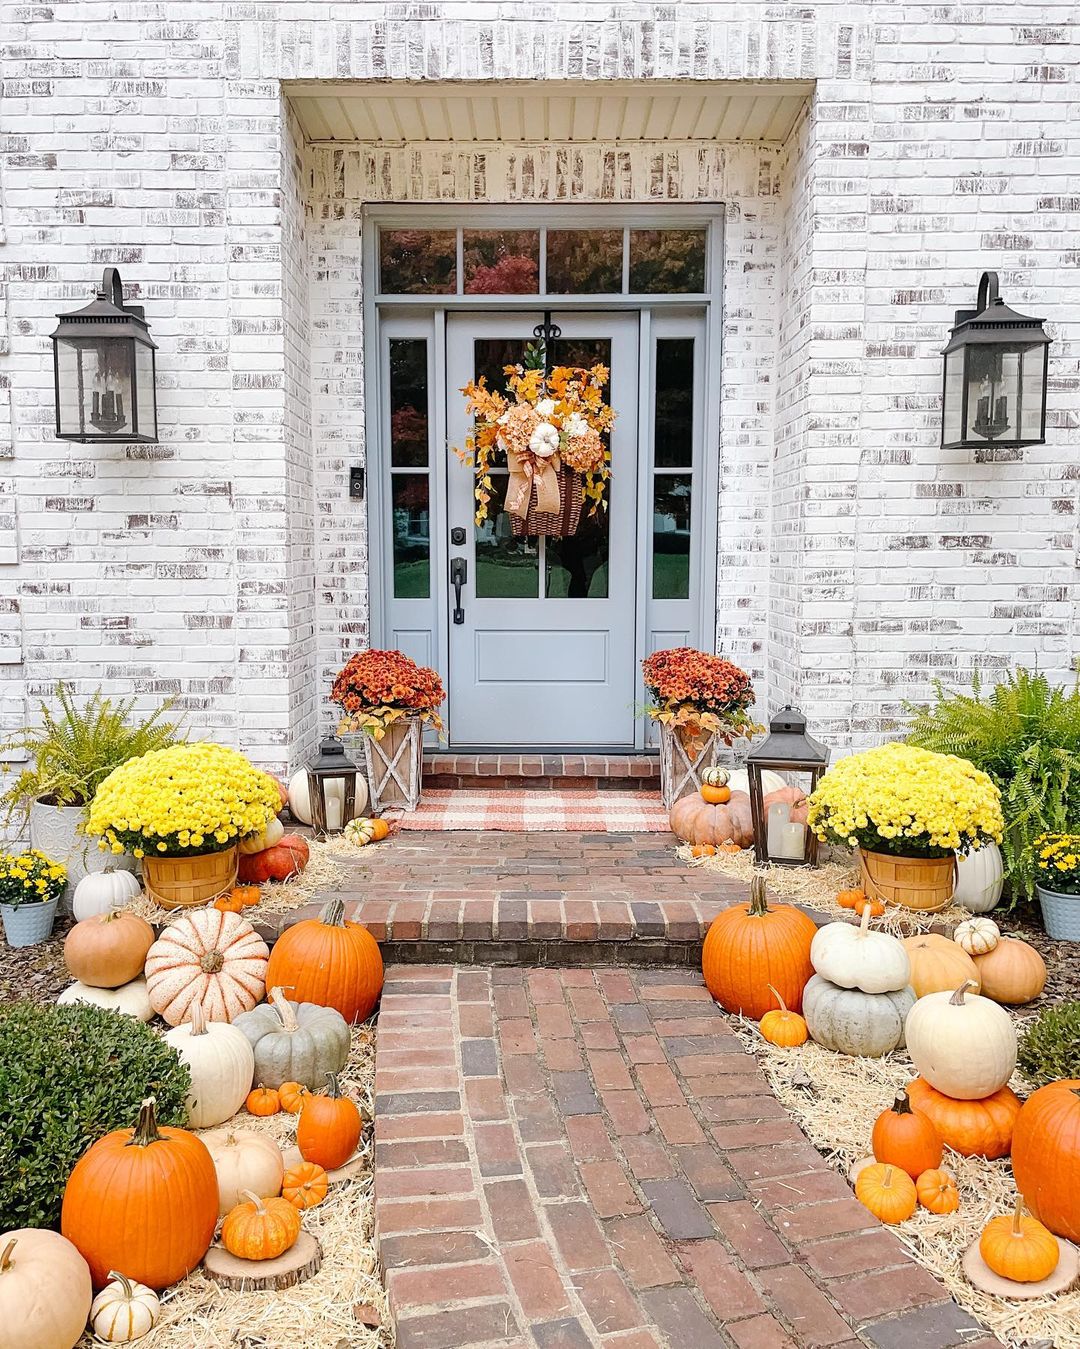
{"type": "Point", "coordinates": [1025, 734]}
{"type": "Point", "coordinates": [75, 749]}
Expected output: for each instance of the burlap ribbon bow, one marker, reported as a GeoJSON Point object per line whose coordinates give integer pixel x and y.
{"type": "Point", "coordinates": [527, 470]}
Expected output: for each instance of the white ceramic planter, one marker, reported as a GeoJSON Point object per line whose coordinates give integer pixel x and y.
{"type": "Point", "coordinates": [54, 831]}
{"type": "Point", "coordinates": [979, 879]}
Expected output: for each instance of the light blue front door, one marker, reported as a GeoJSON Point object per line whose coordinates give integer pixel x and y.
{"type": "Point", "coordinates": [544, 652]}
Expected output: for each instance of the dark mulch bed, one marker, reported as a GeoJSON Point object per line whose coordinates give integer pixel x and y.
{"type": "Point", "coordinates": [35, 972]}
{"type": "Point", "coordinates": [1062, 963]}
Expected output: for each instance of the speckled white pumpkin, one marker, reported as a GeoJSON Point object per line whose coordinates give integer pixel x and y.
{"type": "Point", "coordinates": [209, 959]}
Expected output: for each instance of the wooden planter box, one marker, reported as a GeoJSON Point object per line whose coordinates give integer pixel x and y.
{"type": "Point", "coordinates": [683, 759]}
{"type": "Point", "coordinates": [395, 765]}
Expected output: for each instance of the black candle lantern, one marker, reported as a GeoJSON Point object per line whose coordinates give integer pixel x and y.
{"type": "Point", "coordinates": [104, 371]}
{"type": "Point", "coordinates": [994, 389]}
{"type": "Point", "coordinates": [786, 749]}
{"type": "Point", "coordinates": [331, 788]}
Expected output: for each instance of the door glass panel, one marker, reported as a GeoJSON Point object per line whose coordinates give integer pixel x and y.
{"type": "Point", "coordinates": [412, 542]}
{"type": "Point", "coordinates": [673, 445]}
{"type": "Point", "coordinates": [506, 567]}
{"type": "Point", "coordinates": [667, 262]}
{"type": "Point", "coordinates": [501, 262]}
{"type": "Point", "coordinates": [408, 403]}
{"type": "Point", "coordinates": [584, 262]}
{"type": "Point", "coordinates": [418, 262]}
{"type": "Point", "coordinates": [577, 567]}
{"type": "Point", "coordinates": [671, 536]}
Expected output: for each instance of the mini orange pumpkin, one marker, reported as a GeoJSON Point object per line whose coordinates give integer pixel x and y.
{"type": "Point", "coordinates": [228, 903]}
{"type": "Point", "coordinates": [907, 1138]}
{"type": "Point", "coordinates": [329, 1127]}
{"type": "Point", "coordinates": [847, 899]}
{"type": "Point", "coordinates": [305, 1185]}
{"type": "Point", "coordinates": [703, 850]}
{"type": "Point", "coordinates": [936, 1191]}
{"type": "Point", "coordinates": [261, 1229]}
{"type": "Point", "coordinates": [783, 1028]}
{"type": "Point", "coordinates": [730, 848]}
{"type": "Point", "coordinates": [875, 905]}
{"type": "Point", "coordinates": [262, 1101]}
{"type": "Point", "coordinates": [887, 1191]}
{"type": "Point", "coordinates": [247, 895]}
{"type": "Point", "coordinates": [1019, 1248]}
{"type": "Point", "coordinates": [715, 796]}
{"type": "Point", "coordinates": [291, 1095]}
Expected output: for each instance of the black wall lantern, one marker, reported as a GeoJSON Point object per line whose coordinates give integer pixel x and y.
{"type": "Point", "coordinates": [103, 367]}
{"type": "Point", "coordinates": [995, 375]}
{"type": "Point", "coordinates": [786, 749]}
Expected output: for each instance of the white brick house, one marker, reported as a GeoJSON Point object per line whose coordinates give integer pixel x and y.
{"type": "Point", "coordinates": [851, 170]}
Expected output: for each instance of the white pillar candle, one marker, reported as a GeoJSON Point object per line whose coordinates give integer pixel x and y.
{"type": "Point", "coordinates": [792, 841]}
{"type": "Point", "coordinates": [779, 816]}
{"type": "Point", "coordinates": [335, 806]}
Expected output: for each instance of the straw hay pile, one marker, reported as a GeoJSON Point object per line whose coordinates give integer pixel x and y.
{"type": "Point", "coordinates": [817, 888]}
{"type": "Point", "coordinates": [318, 1314]}
{"type": "Point", "coordinates": [835, 1100]}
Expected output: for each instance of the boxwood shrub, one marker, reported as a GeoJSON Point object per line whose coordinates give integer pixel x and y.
{"type": "Point", "coordinates": [1050, 1045]}
{"type": "Point", "coordinates": [69, 1075]}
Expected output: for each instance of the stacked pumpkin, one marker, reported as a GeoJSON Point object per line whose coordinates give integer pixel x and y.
{"type": "Point", "coordinates": [272, 855]}
{"type": "Point", "coordinates": [717, 818]}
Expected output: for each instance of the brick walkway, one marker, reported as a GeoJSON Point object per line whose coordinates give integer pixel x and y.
{"type": "Point", "coordinates": [570, 1158]}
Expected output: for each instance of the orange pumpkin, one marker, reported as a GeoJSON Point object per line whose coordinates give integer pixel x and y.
{"type": "Point", "coordinates": [936, 1191]}
{"type": "Point", "coordinates": [108, 949]}
{"type": "Point", "coordinates": [715, 796]}
{"type": "Point", "coordinates": [753, 953]}
{"type": "Point", "coordinates": [1019, 1248]}
{"type": "Point", "coordinates": [1046, 1156]}
{"type": "Point", "coordinates": [262, 1101]}
{"type": "Point", "coordinates": [329, 1127]}
{"type": "Point", "coordinates": [329, 961]}
{"type": "Point", "coordinates": [260, 1229]}
{"type": "Point", "coordinates": [981, 1128]}
{"type": "Point", "coordinates": [887, 1191]}
{"type": "Point", "coordinates": [305, 1185]}
{"type": "Point", "coordinates": [286, 859]}
{"type": "Point", "coordinates": [229, 903]}
{"type": "Point", "coordinates": [1013, 972]}
{"type": "Point", "coordinates": [907, 1138]}
{"type": "Point", "coordinates": [847, 899]}
{"type": "Point", "coordinates": [247, 895]}
{"type": "Point", "coordinates": [875, 905]}
{"type": "Point", "coordinates": [783, 1028]}
{"type": "Point", "coordinates": [794, 797]}
{"type": "Point", "coordinates": [379, 829]}
{"type": "Point", "coordinates": [144, 1200]}
{"type": "Point", "coordinates": [703, 850]}
{"type": "Point", "coordinates": [291, 1095]}
{"type": "Point", "coordinates": [695, 821]}
{"type": "Point", "coordinates": [730, 848]}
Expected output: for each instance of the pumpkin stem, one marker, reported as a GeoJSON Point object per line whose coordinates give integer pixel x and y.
{"type": "Point", "coordinates": [902, 1104]}
{"type": "Point", "coordinates": [779, 999]}
{"type": "Point", "coordinates": [333, 1087]}
{"type": "Point", "coordinates": [5, 1255]}
{"type": "Point", "coordinates": [256, 1199]}
{"type": "Point", "coordinates": [957, 999]}
{"type": "Point", "coordinates": [284, 1010]}
{"type": "Point", "coordinates": [146, 1130]}
{"type": "Point", "coordinates": [758, 907]}
{"type": "Point", "coordinates": [197, 1019]}
{"type": "Point", "coordinates": [129, 1292]}
{"type": "Point", "coordinates": [864, 917]}
{"type": "Point", "coordinates": [1018, 1213]}
{"type": "Point", "coordinates": [886, 1179]}
{"type": "Point", "coordinates": [333, 914]}
{"type": "Point", "coordinates": [212, 962]}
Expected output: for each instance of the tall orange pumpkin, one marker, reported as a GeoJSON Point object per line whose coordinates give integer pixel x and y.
{"type": "Point", "coordinates": [143, 1200]}
{"type": "Point", "coordinates": [328, 961]}
{"type": "Point", "coordinates": [1046, 1156]}
{"type": "Point", "coordinates": [329, 1127]}
{"type": "Point", "coordinates": [982, 1128]}
{"type": "Point", "coordinates": [751, 949]}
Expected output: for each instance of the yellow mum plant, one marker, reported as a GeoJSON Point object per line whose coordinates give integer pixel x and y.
{"type": "Point", "coordinates": [30, 878]}
{"type": "Point", "coordinates": [908, 802]}
{"type": "Point", "coordinates": [183, 800]}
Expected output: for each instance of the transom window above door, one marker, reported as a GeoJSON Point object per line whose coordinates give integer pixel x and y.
{"type": "Point", "coordinates": [546, 261]}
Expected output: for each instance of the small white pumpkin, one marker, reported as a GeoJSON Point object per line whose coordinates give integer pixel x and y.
{"type": "Point", "coordinates": [855, 957]}
{"type": "Point", "coordinates": [977, 935]}
{"type": "Point", "coordinates": [244, 1160]}
{"type": "Point", "coordinates": [715, 777]}
{"type": "Point", "coordinates": [104, 890]}
{"type": "Point", "coordinates": [131, 999]}
{"type": "Point", "coordinates": [980, 878]}
{"type": "Point", "coordinates": [961, 1043]}
{"type": "Point", "coordinates": [254, 843]}
{"type": "Point", "coordinates": [222, 1065]}
{"type": "Point", "coordinates": [124, 1310]}
{"type": "Point", "coordinates": [45, 1290]}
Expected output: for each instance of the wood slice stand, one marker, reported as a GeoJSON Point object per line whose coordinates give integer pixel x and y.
{"type": "Point", "coordinates": [300, 1262]}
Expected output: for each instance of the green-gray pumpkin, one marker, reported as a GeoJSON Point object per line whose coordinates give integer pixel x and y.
{"type": "Point", "coordinates": [295, 1042]}
{"type": "Point", "coordinates": [852, 1022]}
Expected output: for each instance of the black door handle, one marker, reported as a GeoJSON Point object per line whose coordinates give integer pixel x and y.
{"type": "Point", "coordinates": [458, 574]}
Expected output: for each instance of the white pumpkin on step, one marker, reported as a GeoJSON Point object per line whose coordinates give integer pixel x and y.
{"type": "Point", "coordinates": [273, 833]}
{"type": "Point", "coordinates": [856, 957]}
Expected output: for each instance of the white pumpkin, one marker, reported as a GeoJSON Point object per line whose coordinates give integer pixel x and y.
{"type": "Point", "coordinates": [980, 878]}
{"type": "Point", "coordinates": [848, 1021]}
{"type": "Point", "coordinates": [104, 890]}
{"type": "Point", "coordinates": [254, 843]}
{"type": "Point", "coordinates": [131, 999]}
{"type": "Point", "coordinates": [222, 1065]}
{"type": "Point", "coordinates": [977, 935]}
{"type": "Point", "coordinates": [855, 957]}
{"type": "Point", "coordinates": [209, 959]}
{"type": "Point", "coordinates": [45, 1290]}
{"type": "Point", "coordinates": [300, 802]}
{"type": "Point", "coordinates": [244, 1160]}
{"type": "Point", "coordinates": [739, 781]}
{"type": "Point", "coordinates": [961, 1043]}
{"type": "Point", "coordinates": [124, 1310]}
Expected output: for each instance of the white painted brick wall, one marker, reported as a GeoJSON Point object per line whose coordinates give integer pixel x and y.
{"type": "Point", "coordinates": [227, 565]}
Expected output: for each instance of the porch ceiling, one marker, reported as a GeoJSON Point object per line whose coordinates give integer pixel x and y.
{"type": "Point", "coordinates": [539, 110]}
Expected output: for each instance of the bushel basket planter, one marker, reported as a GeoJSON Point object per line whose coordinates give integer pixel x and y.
{"type": "Point", "coordinates": [183, 882]}
{"type": "Point", "coordinates": [922, 883]}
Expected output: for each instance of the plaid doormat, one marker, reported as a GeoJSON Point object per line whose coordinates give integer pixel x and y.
{"type": "Point", "coordinates": [584, 811]}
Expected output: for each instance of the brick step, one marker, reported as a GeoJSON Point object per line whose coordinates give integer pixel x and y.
{"type": "Point", "coordinates": [507, 772]}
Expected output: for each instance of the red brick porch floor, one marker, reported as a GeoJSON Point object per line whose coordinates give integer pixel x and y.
{"type": "Point", "coordinates": [574, 1157]}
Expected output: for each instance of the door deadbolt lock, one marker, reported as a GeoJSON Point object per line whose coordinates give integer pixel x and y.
{"type": "Point", "coordinates": [457, 536]}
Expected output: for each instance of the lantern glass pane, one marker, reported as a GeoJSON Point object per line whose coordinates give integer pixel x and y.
{"type": "Point", "coordinates": [144, 388]}
{"type": "Point", "coordinates": [953, 411]}
{"type": "Point", "coordinates": [1031, 393]}
{"type": "Point", "coordinates": [95, 386]}
{"type": "Point", "coordinates": [993, 390]}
